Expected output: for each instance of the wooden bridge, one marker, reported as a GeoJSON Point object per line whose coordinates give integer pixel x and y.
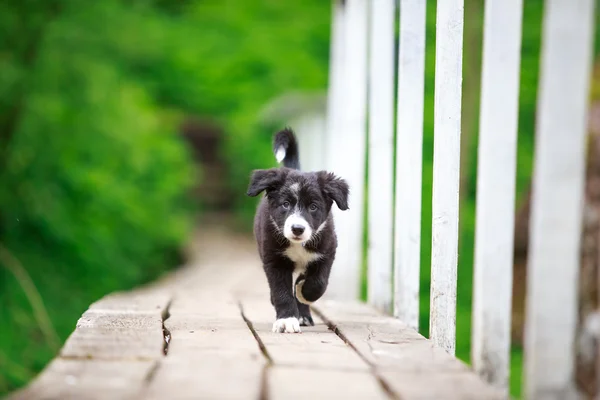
{"type": "Point", "coordinates": [204, 332]}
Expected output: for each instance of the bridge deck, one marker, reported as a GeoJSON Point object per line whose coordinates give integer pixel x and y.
{"type": "Point", "coordinates": [204, 333]}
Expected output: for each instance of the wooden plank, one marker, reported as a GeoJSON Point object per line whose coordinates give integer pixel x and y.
{"type": "Point", "coordinates": [113, 336]}
{"type": "Point", "coordinates": [386, 342]}
{"type": "Point", "coordinates": [409, 161]}
{"type": "Point", "coordinates": [88, 379]}
{"type": "Point", "coordinates": [496, 175]}
{"type": "Point", "coordinates": [411, 366]}
{"type": "Point", "coordinates": [347, 157]}
{"type": "Point", "coordinates": [309, 383]}
{"type": "Point", "coordinates": [558, 180]}
{"type": "Point", "coordinates": [217, 352]}
{"type": "Point", "coordinates": [210, 337]}
{"type": "Point", "coordinates": [121, 326]}
{"type": "Point", "coordinates": [316, 347]}
{"type": "Point", "coordinates": [116, 344]}
{"type": "Point", "coordinates": [446, 172]}
{"type": "Point", "coordinates": [206, 376]}
{"type": "Point", "coordinates": [381, 154]}
{"type": "Point", "coordinates": [313, 364]}
{"type": "Point", "coordinates": [144, 300]}
{"type": "Point", "coordinates": [447, 386]}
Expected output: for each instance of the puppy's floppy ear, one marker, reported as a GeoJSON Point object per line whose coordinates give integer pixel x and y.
{"type": "Point", "coordinates": [265, 179]}
{"type": "Point", "coordinates": [335, 188]}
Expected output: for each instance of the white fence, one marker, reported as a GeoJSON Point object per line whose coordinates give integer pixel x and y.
{"type": "Point", "coordinates": [362, 81]}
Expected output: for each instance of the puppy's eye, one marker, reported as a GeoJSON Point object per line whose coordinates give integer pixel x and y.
{"type": "Point", "coordinates": [313, 207]}
{"type": "Point", "coordinates": [286, 205]}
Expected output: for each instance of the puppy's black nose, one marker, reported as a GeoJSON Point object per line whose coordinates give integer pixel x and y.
{"type": "Point", "coordinates": [297, 230]}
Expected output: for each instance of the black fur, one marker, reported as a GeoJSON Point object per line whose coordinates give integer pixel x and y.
{"type": "Point", "coordinates": [287, 140]}
{"type": "Point", "coordinates": [308, 197]}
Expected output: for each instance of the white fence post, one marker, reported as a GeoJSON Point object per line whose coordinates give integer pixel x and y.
{"type": "Point", "coordinates": [496, 175]}
{"type": "Point", "coordinates": [347, 152]}
{"type": "Point", "coordinates": [381, 154]}
{"type": "Point", "coordinates": [335, 97]}
{"type": "Point", "coordinates": [310, 128]}
{"type": "Point", "coordinates": [409, 160]}
{"type": "Point", "coordinates": [446, 172]}
{"type": "Point", "coordinates": [335, 112]}
{"type": "Point", "coordinates": [557, 199]}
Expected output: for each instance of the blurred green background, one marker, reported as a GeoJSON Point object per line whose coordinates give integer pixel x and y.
{"type": "Point", "coordinates": [99, 103]}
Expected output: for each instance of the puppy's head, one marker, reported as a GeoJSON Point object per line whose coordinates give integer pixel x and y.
{"type": "Point", "coordinates": [299, 203]}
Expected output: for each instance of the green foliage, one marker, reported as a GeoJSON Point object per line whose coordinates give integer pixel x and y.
{"type": "Point", "coordinates": [94, 182]}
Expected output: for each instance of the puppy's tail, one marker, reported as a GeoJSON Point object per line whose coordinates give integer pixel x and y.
{"type": "Point", "coordinates": [285, 147]}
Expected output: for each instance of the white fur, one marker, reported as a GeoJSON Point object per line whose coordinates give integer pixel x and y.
{"type": "Point", "coordinates": [296, 219]}
{"type": "Point", "coordinates": [321, 227]}
{"type": "Point", "coordinates": [280, 154]}
{"type": "Point", "coordinates": [274, 224]}
{"type": "Point", "coordinates": [294, 187]}
{"type": "Point", "coordinates": [289, 325]}
{"type": "Point", "coordinates": [304, 321]}
{"type": "Point", "coordinates": [300, 256]}
{"type": "Point", "coordinates": [299, 295]}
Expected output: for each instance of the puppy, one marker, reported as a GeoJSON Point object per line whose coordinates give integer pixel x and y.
{"type": "Point", "coordinates": [295, 233]}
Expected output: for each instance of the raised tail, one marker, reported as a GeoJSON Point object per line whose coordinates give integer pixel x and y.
{"type": "Point", "coordinates": [285, 147]}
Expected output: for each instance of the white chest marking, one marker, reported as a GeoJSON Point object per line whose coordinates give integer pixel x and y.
{"type": "Point", "coordinates": [301, 258]}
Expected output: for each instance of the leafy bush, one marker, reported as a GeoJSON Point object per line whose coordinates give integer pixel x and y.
{"type": "Point", "coordinates": [94, 185]}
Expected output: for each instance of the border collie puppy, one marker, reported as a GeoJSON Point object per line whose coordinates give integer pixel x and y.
{"type": "Point", "coordinates": [294, 231]}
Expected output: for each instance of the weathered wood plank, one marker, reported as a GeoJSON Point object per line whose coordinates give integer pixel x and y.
{"type": "Point", "coordinates": [310, 383]}
{"type": "Point", "coordinates": [447, 386]}
{"type": "Point", "coordinates": [381, 154]}
{"type": "Point", "coordinates": [143, 300]}
{"type": "Point", "coordinates": [446, 172]}
{"type": "Point", "coordinates": [116, 336]}
{"type": "Point", "coordinates": [386, 342]}
{"type": "Point", "coordinates": [557, 199]}
{"type": "Point", "coordinates": [316, 346]}
{"type": "Point", "coordinates": [121, 326]}
{"type": "Point", "coordinates": [211, 344]}
{"type": "Point", "coordinates": [202, 375]}
{"type": "Point", "coordinates": [91, 379]}
{"type": "Point", "coordinates": [111, 353]}
{"type": "Point", "coordinates": [313, 364]}
{"type": "Point", "coordinates": [409, 160]}
{"type": "Point", "coordinates": [496, 175]}
{"type": "Point", "coordinates": [412, 366]}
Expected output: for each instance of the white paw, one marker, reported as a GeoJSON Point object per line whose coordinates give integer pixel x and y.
{"type": "Point", "coordinates": [299, 296]}
{"type": "Point", "coordinates": [289, 325]}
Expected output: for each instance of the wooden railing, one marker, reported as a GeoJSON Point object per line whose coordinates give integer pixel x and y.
{"type": "Point", "coordinates": [362, 82]}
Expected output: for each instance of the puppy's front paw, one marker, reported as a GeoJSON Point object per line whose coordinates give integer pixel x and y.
{"type": "Point", "coordinates": [306, 321]}
{"type": "Point", "coordinates": [287, 325]}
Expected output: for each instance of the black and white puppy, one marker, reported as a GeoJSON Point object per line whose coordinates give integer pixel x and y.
{"type": "Point", "coordinates": [294, 231]}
